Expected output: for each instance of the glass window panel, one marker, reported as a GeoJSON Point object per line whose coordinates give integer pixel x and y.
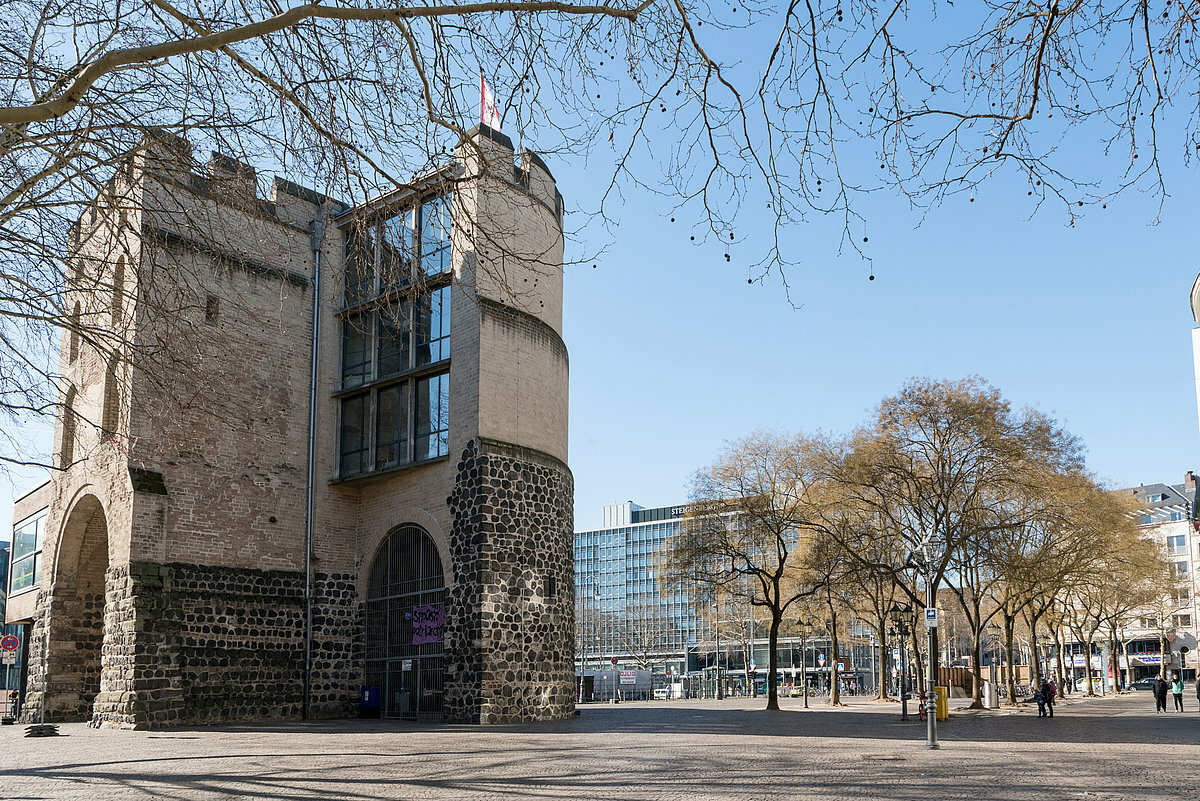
{"type": "Point", "coordinates": [360, 262]}
{"type": "Point", "coordinates": [354, 436]}
{"type": "Point", "coordinates": [395, 251]}
{"type": "Point", "coordinates": [432, 417]}
{"type": "Point", "coordinates": [391, 434]}
{"type": "Point", "coordinates": [435, 235]}
{"type": "Point", "coordinates": [433, 327]}
{"type": "Point", "coordinates": [356, 351]}
{"type": "Point", "coordinates": [25, 540]}
{"type": "Point", "coordinates": [394, 352]}
{"type": "Point", "coordinates": [22, 575]}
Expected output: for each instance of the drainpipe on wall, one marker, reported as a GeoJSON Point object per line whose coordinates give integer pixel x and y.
{"type": "Point", "coordinates": [318, 235]}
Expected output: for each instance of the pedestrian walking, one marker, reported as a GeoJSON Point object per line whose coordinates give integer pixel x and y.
{"type": "Point", "coordinates": [1040, 697]}
{"type": "Point", "coordinates": [1177, 691]}
{"type": "Point", "coordinates": [1160, 695]}
{"type": "Point", "coordinates": [1048, 693]}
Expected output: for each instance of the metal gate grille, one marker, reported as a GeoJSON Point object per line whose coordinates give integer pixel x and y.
{"type": "Point", "coordinates": [406, 576]}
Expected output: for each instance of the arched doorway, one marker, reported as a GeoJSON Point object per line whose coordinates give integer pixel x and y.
{"type": "Point", "coordinates": [405, 617]}
{"type": "Point", "coordinates": [76, 623]}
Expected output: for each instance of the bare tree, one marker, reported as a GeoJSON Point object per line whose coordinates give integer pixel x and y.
{"type": "Point", "coordinates": [755, 516]}
{"type": "Point", "coordinates": [359, 96]}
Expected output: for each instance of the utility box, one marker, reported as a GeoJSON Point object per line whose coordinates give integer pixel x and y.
{"type": "Point", "coordinates": [943, 703]}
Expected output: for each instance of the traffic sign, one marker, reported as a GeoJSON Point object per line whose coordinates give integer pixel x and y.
{"type": "Point", "coordinates": [753, 664]}
{"type": "Point", "coordinates": [931, 620]}
{"type": "Point", "coordinates": [821, 660]}
{"type": "Point", "coordinates": [8, 658]}
{"type": "Point", "coordinates": [614, 661]}
{"type": "Point", "coordinates": [9, 642]}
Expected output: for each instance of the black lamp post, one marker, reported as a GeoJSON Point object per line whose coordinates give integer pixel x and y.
{"type": "Point", "coordinates": [900, 615]}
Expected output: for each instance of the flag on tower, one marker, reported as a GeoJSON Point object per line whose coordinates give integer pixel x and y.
{"type": "Point", "coordinates": [489, 113]}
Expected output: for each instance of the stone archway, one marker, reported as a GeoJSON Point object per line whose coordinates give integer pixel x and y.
{"type": "Point", "coordinates": [76, 614]}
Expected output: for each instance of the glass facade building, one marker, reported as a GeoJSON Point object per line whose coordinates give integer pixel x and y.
{"type": "Point", "coordinates": [620, 610]}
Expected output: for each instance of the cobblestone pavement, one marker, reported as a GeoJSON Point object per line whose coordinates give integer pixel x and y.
{"type": "Point", "coordinates": [1095, 749]}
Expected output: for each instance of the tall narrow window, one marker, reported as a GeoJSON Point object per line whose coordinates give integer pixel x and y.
{"type": "Point", "coordinates": [433, 327]}
{"type": "Point", "coordinates": [68, 428]}
{"type": "Point", "coordinates": [356, 349]}
{"type": "Point", "coordinates": [394, 351]}
{"type": "Point", "coordinates": [212, 309]}
{"type": "Point", "coordinates": [391, 433]}
{"type": "Point", "coordinates": [111, 415]}
{"type": "Point", "coordinates": [395, 251]}
{"type": "Point", "coordinates": [435, 235]}
{"type": "Point", "coordinates": [73, 348]}
{"type": "Point", "coordinates": [354, 436]}
{"type": "Point", "coordinates": [118, 291]}
{"type": "Point", "coordinates": [360, 263]}
{"type": "Point", "coordinates": [433, 416]}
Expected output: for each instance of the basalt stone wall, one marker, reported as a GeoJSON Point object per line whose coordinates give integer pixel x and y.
{"type": "Point", "coordinates": [35, 679]}
{"type": "Point", "coordinates": [337, 647]}
{"type": "Point", "coordinates": [197, 644]}
{"type": "Point", "coordinates": [510, 629]}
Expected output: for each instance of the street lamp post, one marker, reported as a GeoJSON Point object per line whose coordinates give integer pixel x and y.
{"type": "Point", "coordinates": [901, 614]}
{"type": "Point", "coordinates": [924, 559]}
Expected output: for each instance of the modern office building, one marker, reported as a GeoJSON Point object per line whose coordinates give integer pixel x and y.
{"type": "Point", "coordinates": [625, 620]}
{"type": "Point", "coordinates": [621, 610]}
{"type": "Point", "coordinates": [308, 449]}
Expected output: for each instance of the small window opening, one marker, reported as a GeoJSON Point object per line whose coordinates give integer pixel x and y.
{"type": "Point", "coordinates": [212, 309]}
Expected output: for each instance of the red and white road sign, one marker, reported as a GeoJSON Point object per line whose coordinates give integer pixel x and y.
{"type": "Point", "coordinates": [9, 642]}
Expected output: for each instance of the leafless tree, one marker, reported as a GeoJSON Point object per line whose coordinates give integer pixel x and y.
{"type": "Point", "coordinates": [358, 96]}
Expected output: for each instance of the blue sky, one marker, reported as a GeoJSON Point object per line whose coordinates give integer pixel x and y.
{"type": "Point", "coordinates": [673, 353]}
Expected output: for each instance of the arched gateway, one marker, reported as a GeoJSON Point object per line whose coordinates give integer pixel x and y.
{"type": "Point", "coordinates": [405, 622]}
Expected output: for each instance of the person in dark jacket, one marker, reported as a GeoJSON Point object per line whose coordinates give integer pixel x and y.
{"type": "Point", "coordinates": [1049, 694]}
{"type": "Point", "coordinates": [1160, 695]}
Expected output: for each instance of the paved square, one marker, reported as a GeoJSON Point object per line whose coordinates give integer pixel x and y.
{"type": "Point", "coordinates": [1112, 748]}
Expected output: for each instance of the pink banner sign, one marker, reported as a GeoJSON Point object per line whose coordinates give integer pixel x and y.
{"type": "Point", "coordinates": [428, 623]}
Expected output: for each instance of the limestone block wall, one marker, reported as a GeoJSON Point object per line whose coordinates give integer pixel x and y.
{"type": "Point", "coordinates": [510, 630]}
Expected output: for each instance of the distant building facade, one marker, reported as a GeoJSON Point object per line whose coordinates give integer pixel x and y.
{"type": "Point", "coordinates": [621, 609]}
{"type": "Point", "coordinates": [624, 620]}
{"type": "Point", "coordinates": [357, 479]}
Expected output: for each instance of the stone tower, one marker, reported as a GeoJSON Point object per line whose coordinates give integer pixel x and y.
{"type": "Point", "coordinates": [292, 472]}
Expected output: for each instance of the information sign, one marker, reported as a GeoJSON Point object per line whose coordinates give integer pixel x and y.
{"type": "Point", "coordinates": [629, 677]}
{"type": "Point", "coordinates": [931, 620]}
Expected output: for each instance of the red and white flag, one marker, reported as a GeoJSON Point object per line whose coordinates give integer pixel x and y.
{"type": "Point", "coordinates": [489, 113]}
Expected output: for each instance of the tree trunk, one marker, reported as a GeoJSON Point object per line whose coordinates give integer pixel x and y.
{"type": "Point", "coordinates": [1010, 681]}
{"type": "Point", "coordinates": [772, 661]}
{"type": "Point", "coordinates": [1060, 652]}
{"type": "Point", "coordinates": [881, 676]}
{"type": "Point", "coordinates": [918, 663]}
{"type": "Point", "coordinates": [1087, 670]}
{"type": "Point", "coordinates": [1036, 680]}
{"type": "Point", "coordinates": [835, 698]}
{"type": "Point", "coordinates": [976, 668]}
